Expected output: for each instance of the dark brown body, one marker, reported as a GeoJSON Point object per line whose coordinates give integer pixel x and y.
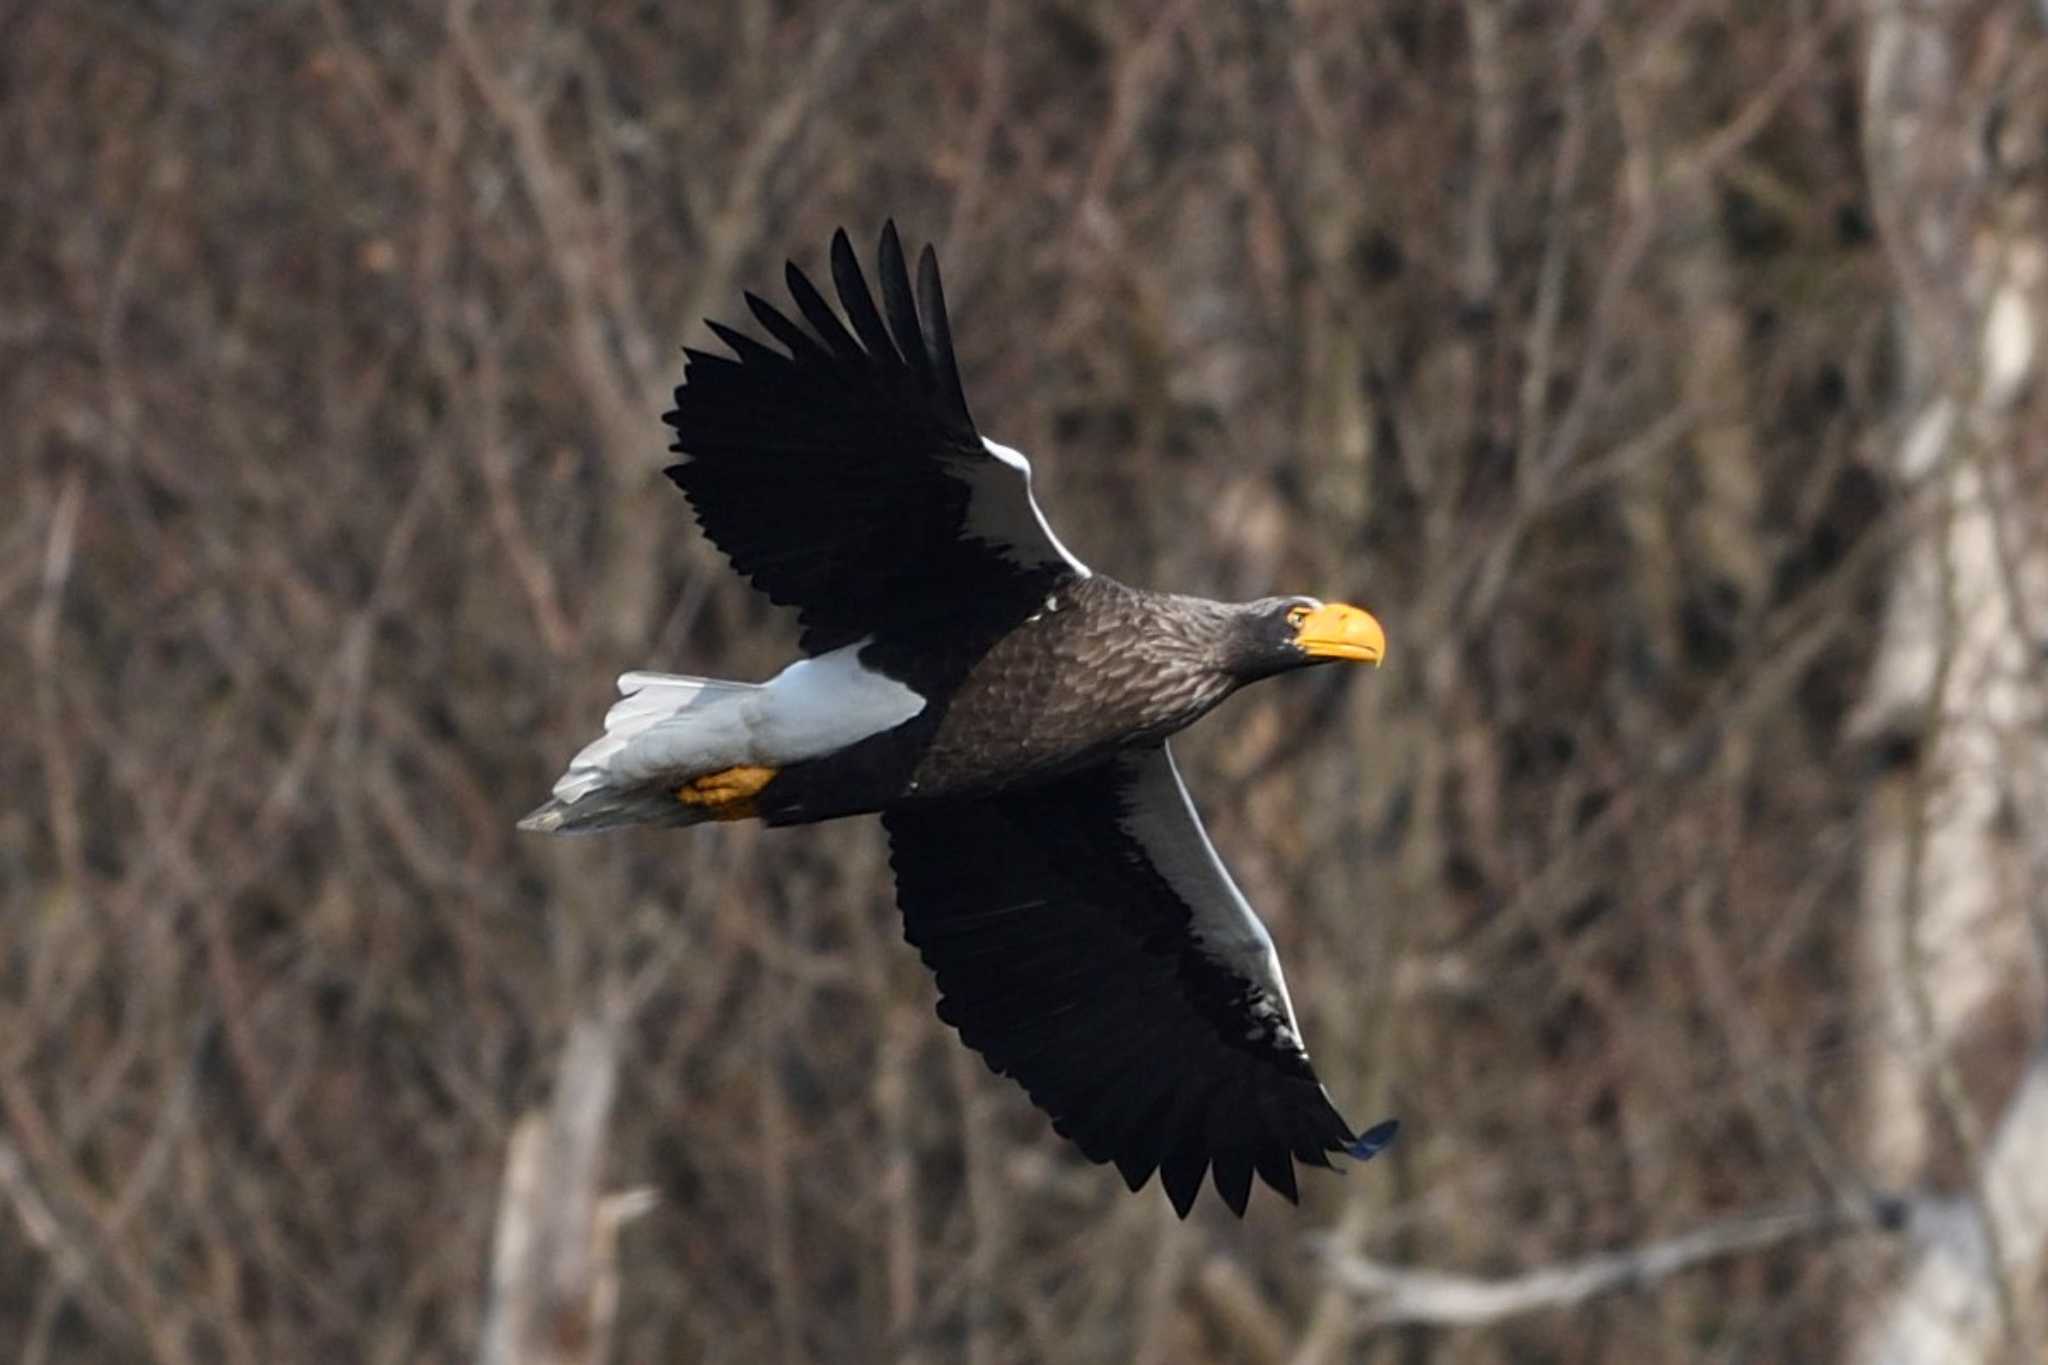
{"type": "Point", "coordinates": [1097, 667]}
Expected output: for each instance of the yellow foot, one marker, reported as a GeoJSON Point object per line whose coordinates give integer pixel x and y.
{"type": "Point", "coordinates": [727, 795]}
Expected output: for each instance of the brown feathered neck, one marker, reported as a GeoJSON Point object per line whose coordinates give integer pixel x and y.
{"type": "Point", "coordinates": [1195, 649]}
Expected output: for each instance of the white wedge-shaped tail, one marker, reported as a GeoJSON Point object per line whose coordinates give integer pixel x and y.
{"type": "Point", "coordinates": [667, 729]}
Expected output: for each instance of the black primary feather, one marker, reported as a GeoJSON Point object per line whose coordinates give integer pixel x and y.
{"type": "Point", "coordinates": [837, 472]}
{"type": "Point", "coordinates": [1067, 960]}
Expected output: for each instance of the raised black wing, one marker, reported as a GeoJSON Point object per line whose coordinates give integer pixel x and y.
{"type": "Point", "coordinates": [843, 474]}
{"type": "Point", "coordinates": [1089, 943]}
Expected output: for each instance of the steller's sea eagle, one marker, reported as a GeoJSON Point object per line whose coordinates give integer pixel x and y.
{"type": "Point", "coordinates": [1006, 710]}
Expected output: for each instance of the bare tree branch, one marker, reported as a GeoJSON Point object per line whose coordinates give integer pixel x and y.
{"type": "Point", "coordinates": [1397, 1294]}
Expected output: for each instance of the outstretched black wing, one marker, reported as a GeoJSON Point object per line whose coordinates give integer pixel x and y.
{"type": "Point", "coordinates": [1089, 943]}
{"type": "Point", "coordinates": [843, 474]}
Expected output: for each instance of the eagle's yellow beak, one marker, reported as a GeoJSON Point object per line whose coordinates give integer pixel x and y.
{"type": "Point", "coordinates": [1336, 631]}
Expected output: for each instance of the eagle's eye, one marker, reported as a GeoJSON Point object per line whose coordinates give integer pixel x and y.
{"type": "Point", "coordinates": [1295, 616]}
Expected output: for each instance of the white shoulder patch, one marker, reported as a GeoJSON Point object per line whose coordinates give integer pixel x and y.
{"type": "Point", "coordinates": [1002, 510]}
{"type": "Point", "coordinates": [1162, 818]}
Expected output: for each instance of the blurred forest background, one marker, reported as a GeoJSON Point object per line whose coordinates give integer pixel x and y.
{"type": "Point", "coordinates": [1665, 375]}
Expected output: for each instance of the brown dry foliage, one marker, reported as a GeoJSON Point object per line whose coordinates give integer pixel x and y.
{"type": "Point", "coordinates": [332, 346]}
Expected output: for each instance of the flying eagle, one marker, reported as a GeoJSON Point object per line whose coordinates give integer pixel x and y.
{"type": "Point", "coordinates": [1006, 710]}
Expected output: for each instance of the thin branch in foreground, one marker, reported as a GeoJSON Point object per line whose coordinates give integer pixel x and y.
{"type": "Point", "coordinates": [1397, 1294]}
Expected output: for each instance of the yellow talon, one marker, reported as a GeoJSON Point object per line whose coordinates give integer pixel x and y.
{"type": "Point", "coordinates": [727, 795]}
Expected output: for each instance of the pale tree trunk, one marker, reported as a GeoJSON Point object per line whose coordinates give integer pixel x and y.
{"type": "Point", "coordinates": [554, 1267]}
{"type": "Point", "coordinates": [1956, 822]}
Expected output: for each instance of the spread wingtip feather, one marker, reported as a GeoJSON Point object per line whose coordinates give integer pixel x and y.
{"type": "Point", "coordinates": [1374, 1140]}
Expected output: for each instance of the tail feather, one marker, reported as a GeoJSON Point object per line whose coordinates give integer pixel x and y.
{"type": "Point", "coordinates": [609, 810]}
{"type": "Point", "coordinates": [646, 698]}
{"type": "Point", "coordinates": [607, 783]}
{"type": "Point", "coordinates": [667, 729]}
